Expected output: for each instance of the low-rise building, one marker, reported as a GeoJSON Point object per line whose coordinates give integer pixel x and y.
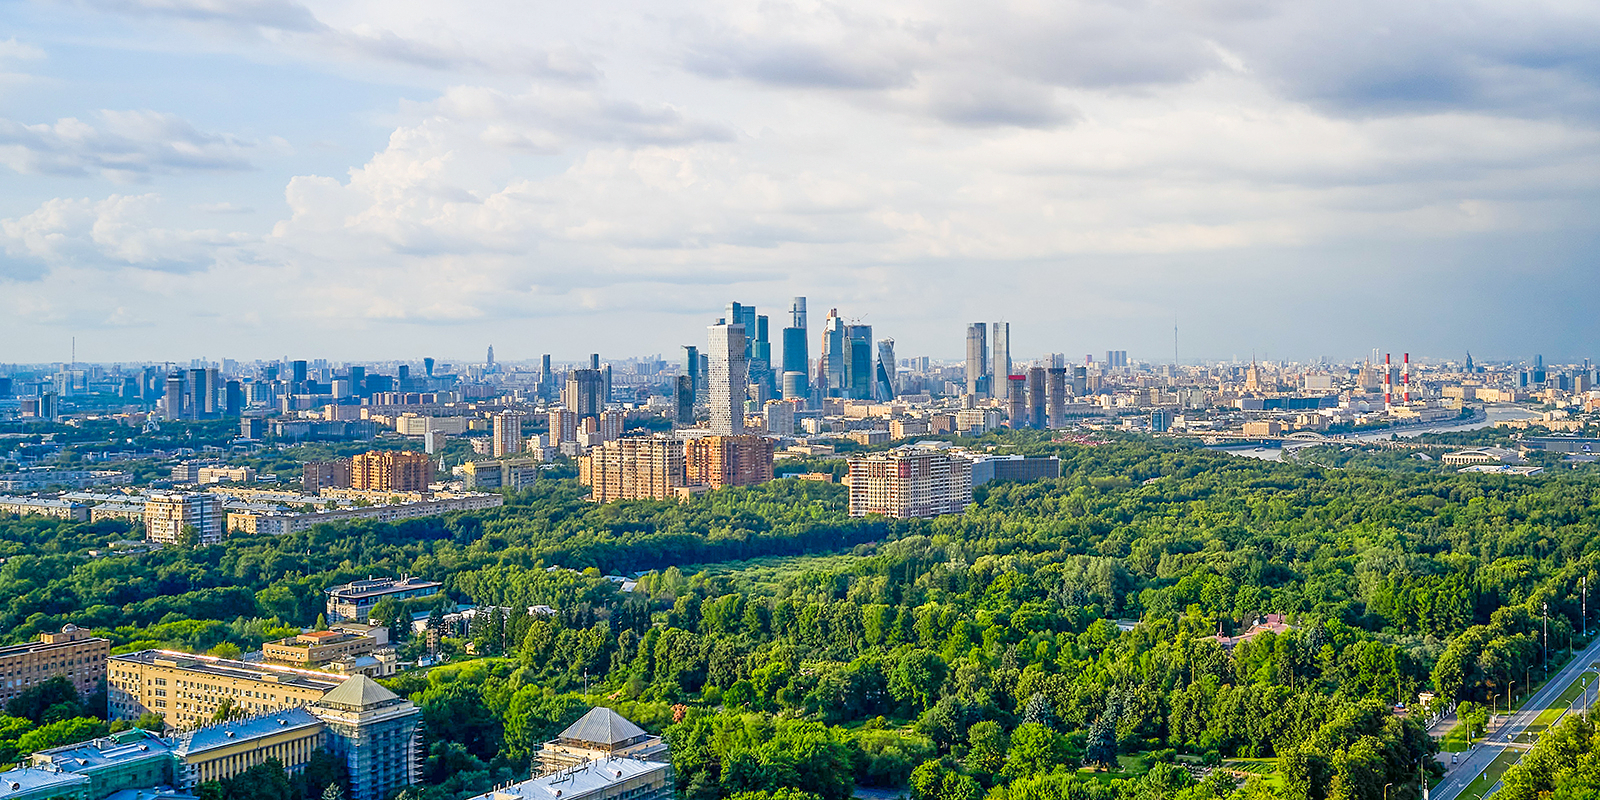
{"type": "Point", "coordinates": [44, 507]}
{"type": "Point", "coordinates": [376, 733]}
{"type": "Point", "coordinates": [1483, 455]}
{"type": "Point", "coordinates": [279, 523]}
{"type": "Point", "coordinates": [130, 759]}
{"type": "Point", "coordinates": [72, 653]}
{"type": "Point", "coordinates": [313, 649]}
{"type": "Point", "coordinates": [610, 779]}
{"type": "Point", "coordinates": [225, 749]}
{"type": "Point", "coordinates": [354, 601]}
{"type": "Point", "coordinates": [43, 783]}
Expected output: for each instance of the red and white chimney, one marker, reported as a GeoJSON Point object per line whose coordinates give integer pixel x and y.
{"type": "Point", "coordinates": [1405, 376]}
{"type": "Point", "coordinates": [1388, 380]}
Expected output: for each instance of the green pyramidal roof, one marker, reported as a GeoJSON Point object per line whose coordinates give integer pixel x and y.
{"type": "Point", "coordinates": [359, 691]}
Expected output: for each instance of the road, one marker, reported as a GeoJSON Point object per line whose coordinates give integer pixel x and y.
{"type": "Point", "coordinates": [1477, 761]}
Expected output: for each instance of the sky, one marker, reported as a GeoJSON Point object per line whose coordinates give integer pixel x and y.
{"type": "Point", "coordinates": [387, 180]}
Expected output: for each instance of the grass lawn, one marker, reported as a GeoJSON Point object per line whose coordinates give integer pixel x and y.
{"type": "Point", "coordinates": [1127, 767]}
{"type": "Point", "coordinates": [1478, 788]}
{"type": "Point", "coordinates": [1455, 741]}
{"type": "Point", "coordinates": [771, 570]}
{"type": "Point", "coordinates": [1548, 716]}
{"type": "Point", "coordinates": [1264, 768]}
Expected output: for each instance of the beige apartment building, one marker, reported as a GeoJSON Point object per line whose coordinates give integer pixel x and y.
{"type": "Point", "coordinates": [633, 468]}
{"type": "Point", "coordinates": [72, 653]}
{"type": "Point", "coordinates": [185, 690]}
{"type": "Point", "coordinates": [315, 648]}
{"type": "Point", "coordinates": [168, 514]}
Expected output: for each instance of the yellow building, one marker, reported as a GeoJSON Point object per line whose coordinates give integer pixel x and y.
{"type": "Point", "coordinates": [226, 749]}
{"type": "Point", "coordinates": [314, 648]}
{"type": "Point", "coordinates": [72, 654]}
{"type": "Point", "coordinates": [185, 690]}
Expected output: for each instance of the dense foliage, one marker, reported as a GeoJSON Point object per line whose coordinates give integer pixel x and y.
{"type": "Point", "coordinates": [961, 656]}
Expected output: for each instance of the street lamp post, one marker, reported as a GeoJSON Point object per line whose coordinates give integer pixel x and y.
{"type": "Point", "coordinates": [1386, 790]}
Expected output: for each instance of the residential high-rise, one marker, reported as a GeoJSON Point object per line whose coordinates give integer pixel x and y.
{"type": "Point", "coordinates": [507, 433]}
{"type": "Point", "coordinates": [884, 385]}
{"type": "Point", "coordinates": [910, 481]}
{"type": "Point", "coordinates": [978, 359]}
{"type": "Point", "coordinates": [718, 461]}
{"type": "Point", "coordinates": [563, 427]}
{"type": "Point", "coordinates": [391, 471]}
{"type": "Point", "coordinates": [796, 354]}
{"type": "Point", "coordinates": [1116, 358]}
{"type": "Point", "coordinates": [168, 517]}
{"type": "Point", "coordinates": [319, 475]}
{"type": "Point", "coordinates": [585, 393]}
{"type": "Point", "coordinates": [1056, 397]}
{"type": "Point", "coordinates": [830, 365]}
{"type": "Point", "coordinates": [780, 416]}
{"type": "Point", "coordinates": [727, 383]}
{"type": "Point", "coordinates": [691, 370]}
{"type": "Point", "coordinates": [1036, 397]}
{"type": "Point", "coordinates": [858, 362]}
{"type": "Point", "coordinates": [633, 468]}
{"type": "Point", "coordinates": [1001, 363]}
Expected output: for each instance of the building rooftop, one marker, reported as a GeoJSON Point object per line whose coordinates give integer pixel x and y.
{"type": "Point", "coordinates": [150, 794]}
{"type": "Point", "coordinates": [380, 586]}
{"type": "Point", "coordinates": [120, 747]}
{"type": "Point", "coordinates": [224, 734]}
{"type": "Point", "coordinates": [26, 780]}
{"type": "Point", "coordinates": [602, 726]}
{"type": "Point", "coordinates": [33, 647]}
{"type": "Point", "coordinates": [226, 668]}
{"type": "Point", "coordinates": [576, 782]}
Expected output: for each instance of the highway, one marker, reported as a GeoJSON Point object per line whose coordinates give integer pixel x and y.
{"type": "Point", "coordinates": [1475, 762]}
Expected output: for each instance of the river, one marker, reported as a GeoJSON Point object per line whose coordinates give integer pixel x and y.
{"type": "Point", "coordinates": [1494, 415]}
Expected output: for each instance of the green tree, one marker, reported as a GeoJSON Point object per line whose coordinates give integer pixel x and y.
{"type": "Point", "coordinates": [1034, 749]}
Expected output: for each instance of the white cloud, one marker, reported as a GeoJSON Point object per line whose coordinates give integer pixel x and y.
{"type": "Point", "coordinates": [13, 50]}
{"type": "Point", "coordinates": [119, 231]}
{"type": "Point", "coordinates": [121, 145]}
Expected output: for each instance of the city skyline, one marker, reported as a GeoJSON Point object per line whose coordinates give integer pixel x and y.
{"type": "Point", "coordinates": [598, 178]}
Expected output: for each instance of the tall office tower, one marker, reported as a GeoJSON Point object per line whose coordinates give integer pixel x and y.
{"type": "Point", "coordinates": [235, 399]}
{"type": "Point", "coordinates": [718, 461]}
{"type": "Point", "coordinates": [427, 365]}
{"type": "Point", "coordinates": [796, 354]}
{"type": "Point", "coordinates": [547, 379]}
{"type": "Point", "coordinates": [1017, 401]}
{"type": "Point", "coordinates": [150, 387]}
{"type": "Point", "coordinates": [691, 370]}
{"type": "Point", "coordinates": [761, 370]}
{"type": "Point", "coordinates": [1538, 369]}
{"type": "Point", "coordinates": [175, 395]}
{"type": "Point", "coordinates": [1116, 358]}
{"type": "Point", "coordinates": [728, 380]}
{"type": "Point", "coordinates": [635, 468]}
{"type": "Point", "coordinates": [978, 359]}
{"type": "Point", "coordinates": [1080, 381]}
{"type": "Point", "coordinates": [1058, 360]}
{"type": "Point", "coordinates": [858, 361]}
{"type": "Point", "coordinates": [605, 383]}
{"type": "Point", "coordinates": [507, 433]}
{"type": "Point", "coordinates": [1036, 397]}
{"type": "Point", "coordinates": [1056, 398]}
{"type": "Point", "coordinates": [683, 401]}
{"type": "Point", "coordinates": [358, 381]}
{"type": "Point", "coordinates": [1000, 365]}
{"type": "Point", "coordinates": [585, 393]}
{"type": "Point", "coordinates": [297, 375]}
{"type": "Point", "coordinates": [830, 367]}
{"type": "Point", "coordinates": [910, 482]}
{"type": "Point", "coordinates": [169, 515]}
{"type": "Point", "coordinates": [780, 417]}
{"type": "Point", "coordinates": [195, 403]}
{"type": "Point", "coordinates": [594, 361]}
{"type": "Point", "coordinates": [488, 361]}
{"type": "Point", "coordinates": [402, 374]}
{"type": "Point", "coordinates": [563, 427]}
{"type": "Point", "coordinates": [886, 364]}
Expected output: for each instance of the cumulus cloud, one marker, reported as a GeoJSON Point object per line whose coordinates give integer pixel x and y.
{"type": "Point", "coordinates": [12, 50]}
{"type": "Point", "coordinates": [119, 231]}
{"type": "Point", "coordinates": [122, 145]}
